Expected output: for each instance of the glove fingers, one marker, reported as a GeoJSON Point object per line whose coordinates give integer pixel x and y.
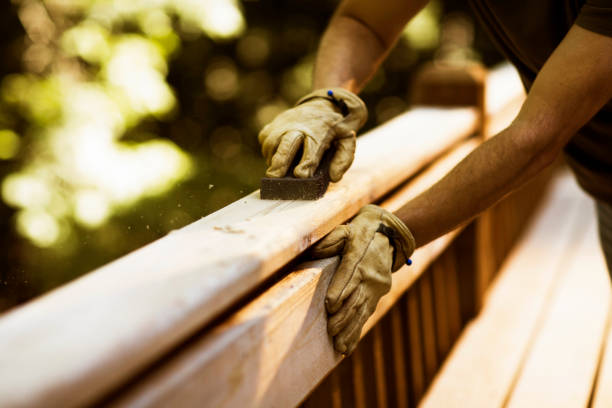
{"type": "Point", "coordinates": [345, 315]}
{"type": "Point", "coordinates": [332, 244]}
{"type": "Point", "coordinates": [313, 152]}
{"type": "Point", "coordinates": [345, 153]}
{"type": "Point", "coordinates": [264, 133]}
{"type": "Point", "coordinates": [346, 279]}
{"type": "Point", "coordinates": [347, 340]}
{"type": "Point", "coordinates": [285, 152]}
{"type": "Point", "coordinates": [269, 146]}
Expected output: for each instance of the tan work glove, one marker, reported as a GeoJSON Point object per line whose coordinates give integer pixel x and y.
{"type": "Point", "coordinates": [319, 119]}
{"type": "Point", "coordinates": [373, 245]}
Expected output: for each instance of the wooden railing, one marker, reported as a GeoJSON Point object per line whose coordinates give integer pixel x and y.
{"type": "Point", "coordinates": [217, 313]}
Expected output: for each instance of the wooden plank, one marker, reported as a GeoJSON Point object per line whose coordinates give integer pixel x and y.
{"type": "Point", "coordinates": [482, 366]}
{"type": "Point", "coordinates": [452, 294]}
{"type": "Point", "coordinates": [602, 396]}
{"type": "Point", "coordinates": [345, 381]}
{"type": "Point", "coordinates": [439, 273]}
{"type": "Point", "coordinates": [336, 395]}
{"type": "Point", "coordinates": [399, 358]}
{"type": "Point", "coordinates": [321, 396]}
{"type": "Point", "coordinates": [428, 326]}
{"type": "Point", "coordinates": [365, 353]}
{"type": "Point", "coordinates": [326, 394]}
{"type": "Point", "coordinates": [359, 381]}
{"type": "Point", "coordinates": [379, 367]}
{"type": "Point", "coordinates": [562, 363]}
{"type": "Point", "coordinates": [336, 390]}
{"type": "Point", "coordinates": [148, 301]}
{"type": "Point", "coordinates": [465, 248]}
{"type": "Point", "coordinates": [274, 319]}
{"type": "Point", "coordinates": [485, 255]}
{"type": "Point", "coordinates": [417, 365]}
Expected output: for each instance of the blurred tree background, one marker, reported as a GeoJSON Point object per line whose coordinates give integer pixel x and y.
{"type": "Point", "coordinates": [123, 120]}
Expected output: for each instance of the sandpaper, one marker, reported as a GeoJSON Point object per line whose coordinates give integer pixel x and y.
{"type": "Point", "coordinates": [294, 188]}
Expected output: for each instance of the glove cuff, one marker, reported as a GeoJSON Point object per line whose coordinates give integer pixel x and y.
{"type": "Point", "coordinates": [350, 105]}
{"type": "Point", "coordinates": [398, 233]}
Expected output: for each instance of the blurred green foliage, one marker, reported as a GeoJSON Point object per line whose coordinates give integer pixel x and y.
{"type": "Point", "coordinates": [123, 120]}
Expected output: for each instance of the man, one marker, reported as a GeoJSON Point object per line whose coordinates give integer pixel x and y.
{"type": "Point", "coordinates": [563, 51]}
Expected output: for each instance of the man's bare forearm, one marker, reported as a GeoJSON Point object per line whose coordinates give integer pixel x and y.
{"type": "Point", "coordinates": [358, 38]}
{"type": "Point", "coordinates": [349, 54]}
{"type": "Point", "coordinates": [571, 87]}
{"type": "Point", "coordinates": [494, 169]}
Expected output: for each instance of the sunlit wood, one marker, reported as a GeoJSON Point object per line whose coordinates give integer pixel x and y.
{"type": "Point", "coordinates": [485, 361]}
{"type": "Point", "coordinates": [562, 362]}
{"type": "Point", "coordinates": [292, 311]}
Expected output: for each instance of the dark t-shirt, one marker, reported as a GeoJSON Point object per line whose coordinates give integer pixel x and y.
{"type": "Point", "coordinates": [528, 32]}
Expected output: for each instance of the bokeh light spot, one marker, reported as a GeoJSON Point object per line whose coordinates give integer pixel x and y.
{"type": "Point", "coordinates": [155, 23]}
{"type": "Point", "coordinates": [222, 80]}
{"type": "Point", "coordinates": [220, 19]}
{"type": "Point", "coordinates": [137, 68]}
{"type": "Point", "coordinates": [423, 31]}
{"type": "Point", "coordinates": [26, 191]}
{"type": "Point", "coordinates": [253, 49]}
{"type": "Point", "coordinates": [9, 144]}
{"type": "Point", "coordinates": [38, 226]}
{"type": "Point", "coordinates": [89, 41]}
{"type": "Point", "coordinates": [91, 208]}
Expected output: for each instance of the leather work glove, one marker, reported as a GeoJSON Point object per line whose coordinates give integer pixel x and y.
{"type": "Point", "coordinates": [319, 119]}
{"type": "Point", "coordinates": [373, 245]}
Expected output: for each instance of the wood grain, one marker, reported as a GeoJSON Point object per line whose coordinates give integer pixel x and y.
{"type": "Point", "coordinates": [380, 377]}
{"type": "Point", "coordinates": [449, 265]}
{"type": "Point", "coordinates": [428, 326]}
{"type": "Point", "coordinates": [602, 397]}
{"type": "Point", "coordinates": [399, 358]}
{"type": "Point", "coordinates": [441, 307]}
{"type": "Point", "coordinates": [147, 301]}
{"type": "Point", "coordinates": [484, 362]}
{"type": "Point", "coordinates": [562, 363]}
{"type": "Point", "coordinates": [291, 311]}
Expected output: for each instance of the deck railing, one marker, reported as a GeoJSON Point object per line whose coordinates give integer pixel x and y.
{"type": "Point", "coordinates": [218, 314]}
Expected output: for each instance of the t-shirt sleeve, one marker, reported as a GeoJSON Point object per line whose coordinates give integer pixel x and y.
{"type": "Point", "coordinates": [596, 16]}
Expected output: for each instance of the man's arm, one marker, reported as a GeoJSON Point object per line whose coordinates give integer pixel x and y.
{"type": "Point", "coordinates": [573, 85]}
{"type": "Point", "coordinates": [358, 38]}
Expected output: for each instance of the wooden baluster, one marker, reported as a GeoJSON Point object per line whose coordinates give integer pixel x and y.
{"type": "Point", "coordinates": [468, 257]}
{"type": "Point", "coordinates": [336, 392]}
{"type": "Point", "coordinates": [379, 367]}
{"type": "Point", "coordinates": [486, 254]}
{"type": "Point", "coordinates": [428, 323]}
{"type": "Point", "coordinates": [440, 306]}
{"type": "Point", "coordinates": [359, 381]}
{"type": "Point", "coordinates": [415, 345]}
{"type": "Point", "coordinates": [452, 294]}
{"type": "Point", "coordinates": [399, 357]}
{"type": "Point", "coordinates": [365, 354]}
{"type": "Point", "coordinates": [326, 394]}
{"type": "Point", "coordinates": [344, 383]}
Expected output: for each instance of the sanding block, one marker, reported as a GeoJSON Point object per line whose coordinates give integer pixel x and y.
{"type": "Point", "coordinates": [294, 188]}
